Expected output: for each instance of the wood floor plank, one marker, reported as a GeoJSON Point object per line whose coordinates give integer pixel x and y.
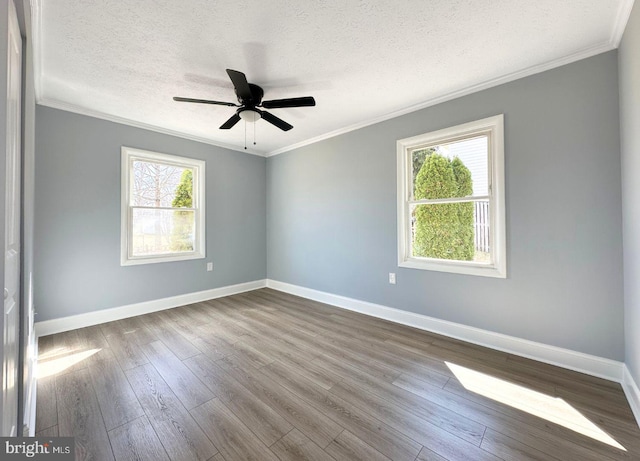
{"type": "Point", "coordinates": [597, 402]}
{"type": "Point", "coordinates": [46, 403]}
{"type": "Point", "coordinates": [451, 447]}
{"type": "Point", "coordinates": [625, 430]}
{"type": "Point", "coordinates": [305, 366]}
{"type": "Point", "coordinates": [254, 355]}
{"type": "Point", "coordinates": [206, 309]}
{"type": "Point", "coordinates": [414, 364]}
{"type": "Point", "coordinates": [314, 424]}
{"type": "Point", "coordinates": [293, 327]}
{"type": "Point", "coordinates": [220, 330]}
{"type": "Point", "coordinates": [434, 421]}
{"type": "Point", "coordinates": [295, 446]}
{"type": "Point", "coordinates": [347, 371]}
{"type": "Point", "coordinates": [117, 401]}
{"type": "Point", "coordinates": [553, 434]}
{"type": "Point", "coordinates": [532, 431]}
{"type": "Point", "coordinates": [137, 440]}
{"type": "Point", "coordinates": [45, 346]}
{"type": "Point", "coordinates": [126, 350]}
{"type": "Point", "coordinates": [49, 432]}
{"type": "Point", "coordinates": [180, 435]}
{"type": "Point", "coordinates": [110, 328]}
{"type": "Point", "coordinates": [355, 359]}
{"type": "Point", "coordinates": [79, 416]}
{"type": "Point", "coordinates": [92, 341]}
{"type": "Point", "coordinates": [512, 450]}
{"type": "Point", "coordinates": [187, 316]}
{"type": "Point", "coordinates": [348, 447]}
{"type": "Point", "coordinates": [568, 378]}
{"type": "Point", "coordinates": [379, 435]}
{"type": "Point", "coordinates": [133, 327]}
{"type": "Point", "coordinates": [69, 355]}
{"type": "Point", "coordinates": [214, 351]}
{"type": "Point", "coordinates": [428, 455]}
{"type": "Point", "coordinates": [186, 386]}
{"type": "Point", "coordinates": [263, 421]}
{"type": "Point", "coordinates": [234, 440]}
{"type": "Point", "coordinates": [160, 325]}
{"type": "Point", "coordinates": [418, 352]}
{"type": "Point", "coordinates": [215, 378]}
{"type": "Point", "coordinates": [388, 394]}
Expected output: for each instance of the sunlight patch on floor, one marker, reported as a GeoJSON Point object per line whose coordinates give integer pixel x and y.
{"type": "Point", "coordinates": [54, 353]}
{"type": "Point", "coordinates": [56, 363]}
{"type": "Point", "coordinates": [553, 409]}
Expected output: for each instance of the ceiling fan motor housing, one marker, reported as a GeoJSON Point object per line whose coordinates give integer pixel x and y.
{"type": "Point", "coordinates": [256, 96]}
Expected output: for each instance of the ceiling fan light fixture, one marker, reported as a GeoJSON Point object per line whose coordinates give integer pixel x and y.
{"type": "Point", "coordinates": [250, 115]}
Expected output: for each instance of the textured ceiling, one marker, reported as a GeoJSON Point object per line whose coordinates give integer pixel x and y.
{"type": "Point", "coordinates": [363, 61]}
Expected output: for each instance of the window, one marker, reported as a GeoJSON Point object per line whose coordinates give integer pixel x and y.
{"type": "Point", "coordinates": [451, 213]}
{"type": "Point", "coordinates": [162, 208]}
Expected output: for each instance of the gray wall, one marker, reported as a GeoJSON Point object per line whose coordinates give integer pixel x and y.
{"type": "Point", "coordinates": [77, 218]}
{"type": "Point", "coordinates": [629, 62]}
{"type": "Point", "coordinates": [331, 214]}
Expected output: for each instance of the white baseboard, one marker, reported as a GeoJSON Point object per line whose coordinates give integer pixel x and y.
{"type": "Point", "coordinates": [632, 392]}
{"type": "Point", "coordinates": [565, 358]}
{"type": "Point", "coordinates": [49, 327]}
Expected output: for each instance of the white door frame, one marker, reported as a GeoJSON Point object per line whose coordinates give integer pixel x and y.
{"type": "Point", "coordinates": [10, 126]}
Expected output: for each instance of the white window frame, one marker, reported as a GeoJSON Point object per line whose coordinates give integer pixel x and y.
{"type": "Point", "coordinates": [128, 156]}
{"type": "Point", "coordinates": [493, 127]}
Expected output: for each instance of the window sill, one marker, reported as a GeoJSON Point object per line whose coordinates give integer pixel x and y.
{"type": "Point", "coordinates": [161, 259]}
{"type": "Point", "coordinates": [456, 267]}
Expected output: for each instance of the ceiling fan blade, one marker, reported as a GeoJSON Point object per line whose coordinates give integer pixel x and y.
{"type": "Point", "coordinates": [240, 83]}
{"type": "Point", "coordinates": [235, 118]}
{"type": "Point", "coordinates": [289, 102]}
{"type": "Point", "coordinates": [284, 126]}
{"type": "Point", "coordinates": [205, 101]}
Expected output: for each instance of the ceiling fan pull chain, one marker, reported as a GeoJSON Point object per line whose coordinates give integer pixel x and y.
{"type": "Point", "coordinates": [245, 135]}
{"type": "Point", "coordinates": [254, 134]}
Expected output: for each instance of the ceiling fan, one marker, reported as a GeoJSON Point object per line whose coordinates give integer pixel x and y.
{"type": "Point", "coordinates": [250, 98]}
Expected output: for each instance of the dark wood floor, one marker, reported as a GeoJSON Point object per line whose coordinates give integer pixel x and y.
{"type": "Point", "coordinates": [267, 376]}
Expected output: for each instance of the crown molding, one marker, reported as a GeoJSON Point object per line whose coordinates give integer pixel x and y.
{"type": "Point", "coordinates": [622, 17]}
{"type": "Point", "coordinates": [36, 34]}
{"type": "Point", "coordinates": [55, 104]}
{"type": "Point", "coordinates": [582, 54]}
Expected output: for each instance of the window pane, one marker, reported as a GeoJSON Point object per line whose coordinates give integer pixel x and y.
{"type": "Point", "coordinates": [161, 185]}
{"type": "Point", "coordinates": [158, 232]}
{"type": "Point", "coordinates": [456, 169]}
{"type": "Point", "coordinates": [451, 231]}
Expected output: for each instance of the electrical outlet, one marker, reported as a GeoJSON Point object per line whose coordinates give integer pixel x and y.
{"type": "Point", "coordinates": [209, 267]}
{"type": "Point", "coordinates": [392, 278]}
